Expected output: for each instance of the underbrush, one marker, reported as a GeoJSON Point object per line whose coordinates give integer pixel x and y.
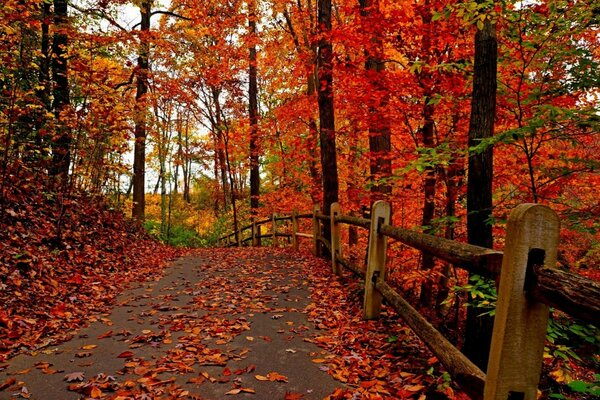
{"type": "Point", "coordinates": [175, 235]}
{"type": "Point", "coordinates": [63, 258]}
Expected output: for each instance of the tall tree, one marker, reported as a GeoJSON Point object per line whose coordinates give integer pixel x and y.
{"type": "Point", "coordinates": [253, 112]}
{"type": "Point", "coordinates": [61, 154]}
{"type": "Point", "coordinates": [326, 109]}
{"type": "Point", "coordinates": [479, 182]}
{"type": "Point", "coordinates": [380, 164]}
{"type": "Point", "coordinates": [139, 152]}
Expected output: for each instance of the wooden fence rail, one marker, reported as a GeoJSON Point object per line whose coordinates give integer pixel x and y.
{"type": "Point", "coordinates": [528, 285]}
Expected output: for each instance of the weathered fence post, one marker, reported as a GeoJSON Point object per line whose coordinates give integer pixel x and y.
{"type": "Point", "coordinates": [255, 234]}
{"type": "Point", "coordinates": [274, 230]}
{"type": "Point", "coordinates": [316, 228]}
{"type": "Point", "coordinates": [520, 324]}
{"type": "Point", "coordinates": [380, 214]}
{"type": "Point", "coordinates": [336, 250]}
{"type": "Point", "coordinates": [294, 230]}
{"type": "Point", "coordinates": [228, 236]}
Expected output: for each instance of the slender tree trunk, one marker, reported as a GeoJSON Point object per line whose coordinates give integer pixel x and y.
{"type": "Point", "coordinates": [61, 154]}
{"type": "Point", "coordinates": [380, 164]}
{"type": "Point", "coordinates": [139, 152]}
{"type": "Point", "coordinates": [309, 51]}
{"type": "Point", "coordinates": [233, 192]}
{"type": "Point", "coordinates": [453, 178]}
{"type": "Point", "coordinates": [253, 114]}
{"type": "Point", "coordinates": [326, 111]}
{"type": "Point", "coordinates": [43, 91]}
{"type": "Point", "coordinates": [221, 147]}
{"type": "Point", "coordinates": [479, 184]}
{"type": "Point", "coordinates": [186, 166]}
{"type": "Point", "coordinates": [428, 261]}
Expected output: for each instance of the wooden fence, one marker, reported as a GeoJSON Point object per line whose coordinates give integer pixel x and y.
{"type": "Point", "coordinates": [528, 285]}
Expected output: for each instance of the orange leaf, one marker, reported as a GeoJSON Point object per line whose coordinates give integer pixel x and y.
{"type": "Point", "coordinates": [414, 388]}
{"type": "Point", "coordinates": [274, 376]}
{"type": "Point", "coordinates": [95, 393]}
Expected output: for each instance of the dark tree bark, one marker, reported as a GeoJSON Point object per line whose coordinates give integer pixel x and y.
{"type": "Point", "coordinates": [253, 114]}
{"type": "Point", "coordinates": [139, 152]}
{"type": "Point", "coordinates": [428, 261]}
{"type": "Point", "coordinates": [380, 163]}
{"type": "Point", "coordinates": [220, 142]}
{"type": "Point", "coordinates": [326, 111]}
{"type": "Point", "coordinates": [43, 92]}
{"type": "Point", "coordinates": [61, 154]}
{"type": "Point", "coordinates": [479, 183]}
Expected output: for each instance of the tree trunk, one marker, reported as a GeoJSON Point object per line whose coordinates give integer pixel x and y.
{"type": "Point", "coordinates": [428, 261]}
{"type": "Point", "coordinates": [43, 92]}
{"type": "Point", "coordinates": [253, 114]}
{"type": "Point", "coordinates": [479, 184]}
{"type": "Point", "coordinates": [380, 163]}
{"type": "Point", "coordinates": [326, 111]}
{"type": "Point", "coordinates": [187, 162]}
{"type": "Point", "coordinates": [218, 129]}
{"type": "Point", "coordinates": [139, 152]}
{"type": "Point", "coordinates": [61, 154]}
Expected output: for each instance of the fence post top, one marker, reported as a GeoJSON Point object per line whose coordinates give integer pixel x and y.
{"type": "Point", "coordinates": [335, 208]}
{"type": "Point", "coordinates": [531, 210]}
{"type": "Point", "coordinates": [381, 205]}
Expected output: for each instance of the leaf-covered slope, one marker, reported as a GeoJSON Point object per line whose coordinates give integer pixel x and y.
{"type": "Point", "coordinates": [62, 259]}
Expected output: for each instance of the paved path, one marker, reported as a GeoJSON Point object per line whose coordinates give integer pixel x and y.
{"type": "Point", "coordinates": [222, 324]}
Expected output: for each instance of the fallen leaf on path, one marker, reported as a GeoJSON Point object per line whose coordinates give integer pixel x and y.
{"type": "Point", "coordinates": [105, 335]}
{"type": "Point", "coordinates": [74, 376]}
{"type": "Point", "coordinates": [7, 383]}
{"type": "Point", "coordinates": [95, 393]}
{"type": "Point", "coordinates": [276, 377]}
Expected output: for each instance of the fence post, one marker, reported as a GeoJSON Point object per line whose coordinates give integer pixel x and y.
{"type": "Point", "coordinates": [316, 230]}
{"type": "Point", "coordinates": [294, 230]}
{"type": "Point", "coordinates": [519, 333]}
{"type": "Point", "coordinates": [274, 230]}
{"type": "Point", "coordinates": [336, 250]}
{"type": "Point", "coordinates": [380, 214]}
{"type": "Point", "coordinates": [254, 234]}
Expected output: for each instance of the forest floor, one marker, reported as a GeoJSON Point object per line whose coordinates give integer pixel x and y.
{"type": "Point", "coordinates": [260, 323]}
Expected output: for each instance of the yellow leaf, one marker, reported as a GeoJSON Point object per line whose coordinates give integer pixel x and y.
{"type": "Point", "coordinates": [89, 347]}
